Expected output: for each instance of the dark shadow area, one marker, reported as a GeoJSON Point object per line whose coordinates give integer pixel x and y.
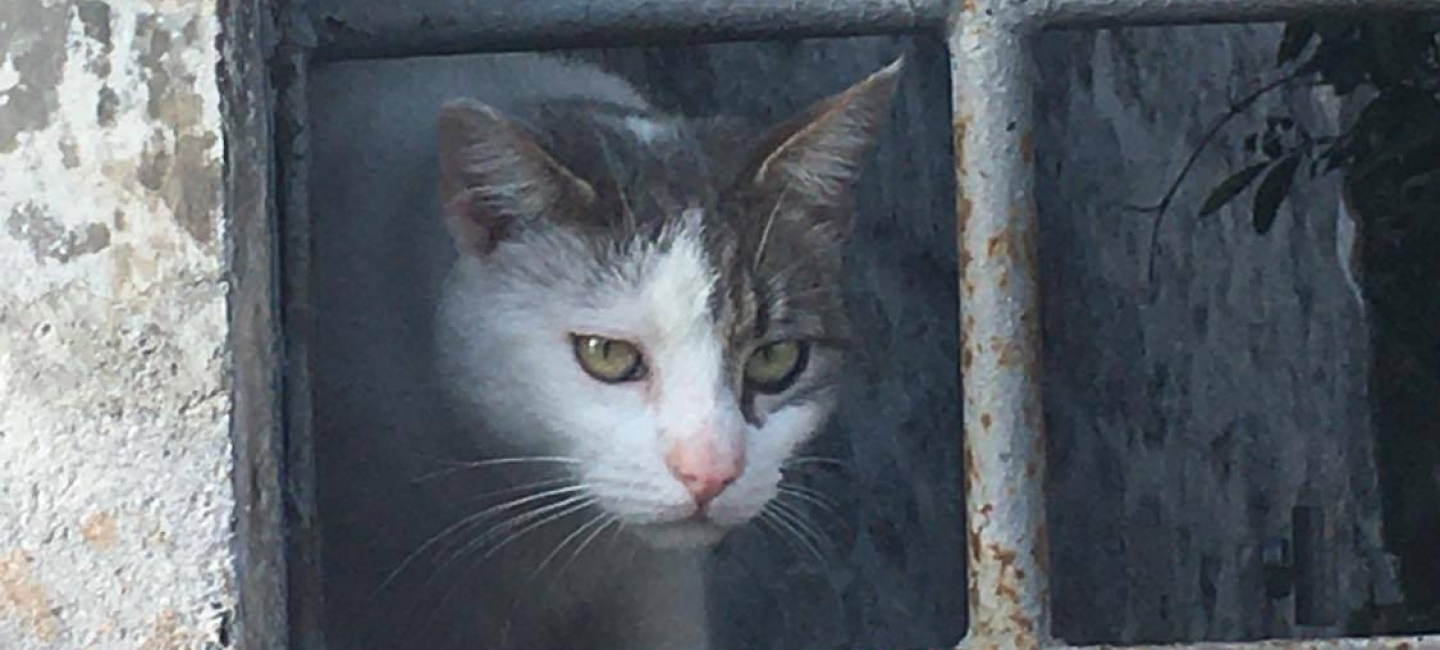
{"type": "Point", "coordinates": [1402, 280]}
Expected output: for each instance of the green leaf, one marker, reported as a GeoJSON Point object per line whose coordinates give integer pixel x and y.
{"type": "Point", "coordinates": [1297, 35]}
{"type": "Point", "coordinates": [1228, 188]}
{"type": "Point", "coordinates": [1272, 192]}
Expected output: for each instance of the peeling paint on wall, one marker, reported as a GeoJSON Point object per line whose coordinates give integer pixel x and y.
{"type": "Point", "coordinates": [115, 458]}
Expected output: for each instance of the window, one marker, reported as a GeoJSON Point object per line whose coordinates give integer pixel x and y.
{"type": "Point", "coordinates": [993, 77]}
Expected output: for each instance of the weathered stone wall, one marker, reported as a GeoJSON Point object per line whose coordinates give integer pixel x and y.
{"type": "Point", "coordinates": [117, 505]}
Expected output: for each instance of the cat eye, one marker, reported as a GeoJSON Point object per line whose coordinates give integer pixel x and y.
{"type": "Point", "coordinates": [608, 360]}
{"type": "Point", "coordinates": [774, 367]}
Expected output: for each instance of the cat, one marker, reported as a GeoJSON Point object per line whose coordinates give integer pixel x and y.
{"type": "Point", "coordinates": [640, 324]}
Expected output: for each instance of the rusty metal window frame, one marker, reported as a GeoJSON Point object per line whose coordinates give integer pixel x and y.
{"type": "Point", "coordinates": [992, 85]}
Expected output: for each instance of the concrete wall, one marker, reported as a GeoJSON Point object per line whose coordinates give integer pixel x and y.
{"type": "Point", "coordinates": [118, 383]}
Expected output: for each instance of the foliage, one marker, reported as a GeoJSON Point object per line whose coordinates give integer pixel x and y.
{"type": "Point", "coordinates": [1390, 156]}
{"type": "Point", "coordinates": [1389, 162]}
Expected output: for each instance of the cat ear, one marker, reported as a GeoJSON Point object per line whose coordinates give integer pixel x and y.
{"type": "Point", "coordinates": [817, 156]}
{"type": "Point", "coordinates": [493, 173]}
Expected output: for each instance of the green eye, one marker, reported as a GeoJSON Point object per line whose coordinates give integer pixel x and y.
{"type": "Point", "coordinates": [772, 368]}
{"type": "Point", "coordinates": [608, 360]}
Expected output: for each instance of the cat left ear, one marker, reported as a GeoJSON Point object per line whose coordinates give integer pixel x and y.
{"type": "Point", "coordinates": [816, 157]}
{"type": "Point", "coordinates": [494, 174]}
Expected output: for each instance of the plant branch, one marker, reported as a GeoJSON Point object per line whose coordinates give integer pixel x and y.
{"type": "Point", "coordinates": [1160, 208]}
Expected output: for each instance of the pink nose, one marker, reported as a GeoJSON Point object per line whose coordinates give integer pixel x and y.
{"type": "Point", "coordinates": [703, 471]}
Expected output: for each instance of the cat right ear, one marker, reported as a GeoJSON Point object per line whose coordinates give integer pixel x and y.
{"type": "Point", "coordinates": [494, 174]}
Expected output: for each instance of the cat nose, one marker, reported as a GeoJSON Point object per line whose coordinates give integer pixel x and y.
{"type": "Point", "coordinates": [703, 470]}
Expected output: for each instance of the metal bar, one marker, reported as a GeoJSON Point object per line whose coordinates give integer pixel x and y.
{"type": "Point", "coordinates": [354, 30]}
{"type": "Point", "coordinates": [1092, 14]}
{"type": "Point", "coordinates": [1004, 454]}
{"type": "Point", "coordinates": [1357, 643]}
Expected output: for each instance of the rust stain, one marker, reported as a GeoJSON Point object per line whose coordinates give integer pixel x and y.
{"type": "Point", "coordinates": [1031, 469]}
{"type": "Point", "coordinates": [1025, 248]}
{"type": "Point", "coordinates": [972, 472]}
{"type": "Point", "coordinates": [98, 529]}
{"type": "Point", "coordinates": [24, 598]}
{"type": "Point", "coordinates": [962, 202]}
{"type": "Point", "coordinates": [986, 421]}
{"type": "Point", "coordinates": [962, 222]}
{"type": "Point", "coordinates": [1005, 591]}
{"type": "Point", "coordinates": [973, 588]}
{"type": "Point", "coordinates": [997, 245]}
{"type": "Point", "coordinates": [1041, 548]}
{"type": "Point", "coordinates": [966, 359]}
{"type": "Point", "coordinates": [968, 6]}
{"type": "Point", "coordinates": [958, 128]}
{"type": "Point", "coordinates": [1027, 146]}
{"type": "Point", "coordinates": [1005, 556]}
{"type": "Point", "coordinates": [1022, 622]}
{"type": "Point", "coordinates": [1008, 353]}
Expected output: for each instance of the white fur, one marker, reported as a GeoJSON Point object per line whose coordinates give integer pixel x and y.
{"type": "Point", "coordinates": [507, 341]}
{"type": "Point", "coordinates": [503, 328]}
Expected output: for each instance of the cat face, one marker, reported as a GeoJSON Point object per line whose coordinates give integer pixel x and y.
{"type": "Point", "coordinates": [650, 301]}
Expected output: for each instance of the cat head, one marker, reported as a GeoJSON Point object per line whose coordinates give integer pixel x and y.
{"type": "Point", "coordinates": [655, 299]}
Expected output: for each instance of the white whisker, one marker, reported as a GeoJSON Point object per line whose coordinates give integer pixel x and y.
{"type": "Point", "coordinates": [566, 508]}
{"type": "Point", "coordinates": [609, 519]}
{"type": "Point", "coordinates": [799, 461]}
{"type": "Point", "coordinates": [471, 519]}
{"type": "Point", "coordinates": [809, 496]}
{"type": "Point", "coordinates": [579, 503]}
{"type": "Point", "coordinates": [770, 524]}
{"type": "Point", "coordinates": [788, 519]}
{"type": "Point", "coordinates": [523, 487]}
{"type": "Point", "coordinates": [461, 466]}
{"type": "Point", "coordinates": [579, 530]}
